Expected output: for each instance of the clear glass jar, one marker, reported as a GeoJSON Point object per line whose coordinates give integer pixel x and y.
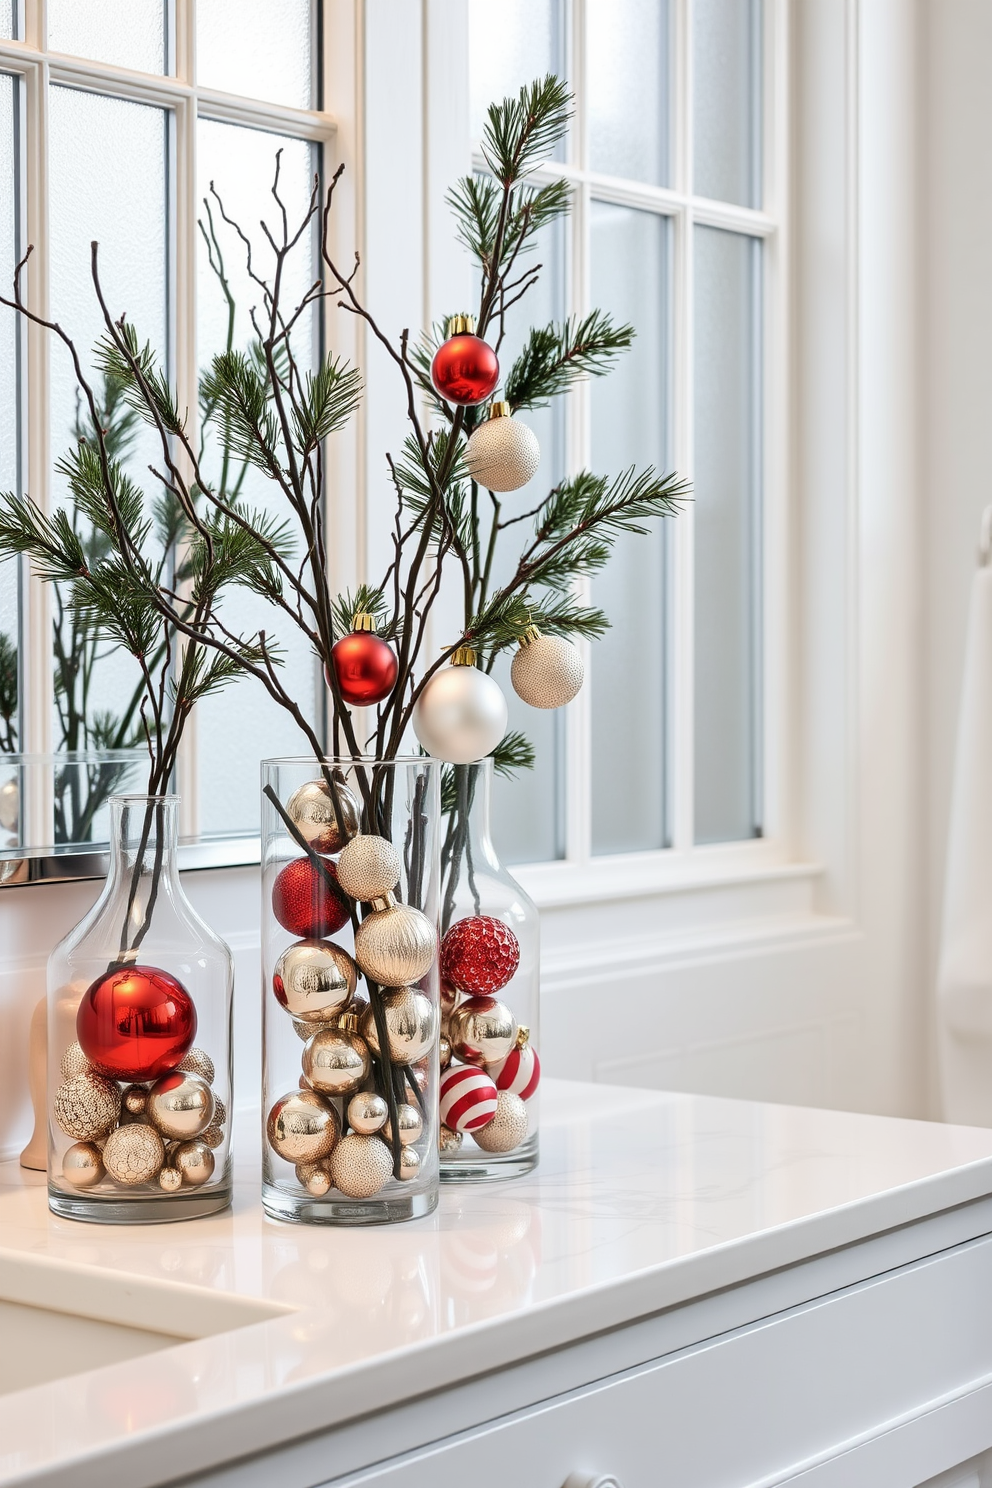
{"type": "Point", "coordinates": [481, 966]}
{"type": "Point", "coordinates": [139, 1040]}
{"type": "Point", "coordinates": [351, 1013]}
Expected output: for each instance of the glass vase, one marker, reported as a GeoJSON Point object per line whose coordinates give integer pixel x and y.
{"type": "Point", "coordinates": [139, 1040]}
{"type": "Point", "coordinates": [490, 994]}
{"type": "Point", "coordinates": [351, 1013]}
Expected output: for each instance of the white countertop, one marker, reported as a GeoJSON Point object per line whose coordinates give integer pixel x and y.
{"type": "Point", "coordinates": [642, 1200]}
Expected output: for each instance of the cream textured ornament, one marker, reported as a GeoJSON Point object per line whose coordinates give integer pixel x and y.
{"type": "Point", "coordinates": [395, 944]}
{"type": "Point", "coordinates": [336, 1061]}
{"type": "Point", "coordinates": [368, 868]}
{"type": "Point", "coordinates": [411, 1024]}
{"type": "Point", "coordinates": [302, 1127]}
{"type": "Point", "coordinates": [74, 1062]}
{"type": "Point", "coordinates": [180, 1106]}
{"type": "Point", "coordinates": [315, 816]}
{"type": "Point", "coordinates": [547, 671]}
{"type": "Point", "coordinates": [133, 1154]}
{"type": "Point", "coordinates": [367, 1113]}
{"type": "Point", "coordinates": [360, 1166]}
{"type": "Point", "coordinates": [82, 1165]}
{"type": "Point", "coordinates": [502, 454]}
{"type": "Point", "coordinates": [314, 980]}
{"type": "Point", "coordinates": [195, 1162]}
{"type": "Point", "coordinates": [507, 1128]}
{"type": "Point", "coordinates": [461, 714]}
{"type": "Point", "coordinates": [87, 1106]}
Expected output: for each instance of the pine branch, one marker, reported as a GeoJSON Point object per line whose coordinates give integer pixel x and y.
{"type": "Point", "coordinates": [8, 694]}
{"type": "Point", "coordinates": [557, 355]}
{"type": "Point", "coordinates": [521, 132]}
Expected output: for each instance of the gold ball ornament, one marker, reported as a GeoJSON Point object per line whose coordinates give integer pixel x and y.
{"type": "Point", "coordinates": [170, 1180]}
{"type": "Point", "coordinates": [360, 1166]}
{"type": "Point", "coordinates": [82, 1165]}
{"type": "Point", "coordinates": [368, 868]}
{"type": "Point", "coordinates": [508, 1127]}
{"type": "Point", "coordinates": [547, 671]}
{"type": "Point", "coordinates": [411, 1024]}
{"type": "Point", "coordinates": [409, 1163]}
{"type": "Point", "coordinates": [502, 454]}
{"type": "Point", "coordinates": [367, 1113]}
{"type": "Point", "coordinates": [444, 1051]}
{"type": "Point", "coordinates": [180, 1105]}
{"type": "Point", "coordinates": [448, 1140]}
{"type": "Point", "coordinates": [198, 1062]}
{"type": "Point", "coordinates": [195, 1162]}
{"type": "Point", "coordinates": [315, 1177]}
{"type": "Point", "coordinates": [74, 1062]}
{"type": "Point", "coordinates": [324, 826]}
{"type": "Point", "coordinates": [396, 944]}
{"type": "Point", "coordinates": [482, 1030]}
{"type": "Point", "coordinates": [133, 1154]}
{"type": "Point", "coordinates": [314, 980]}
{"type": "Point", "coordinates": [87, 1107]}
{"type": "Point", "coordinates": [336, 1061]}
{"type": "Point", "coordinates": [411, 1125]}
{"type": "Point", "coordinates": [213, 1137]}
{"type": "Point", "coordinates": [302, 1127]}
{"type": "Point", "coordinates": [133, 1101]}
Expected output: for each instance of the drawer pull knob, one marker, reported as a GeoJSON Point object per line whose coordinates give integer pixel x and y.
{"type": "Point", "coordinates": [598, 1480]}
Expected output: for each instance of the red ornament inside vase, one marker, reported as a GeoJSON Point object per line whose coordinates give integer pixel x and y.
{"type": "Point", "coordinates": [364, 665]}
{"type": "Point", "coordinates": [479, 954]}
{"type": "Point", "coordinates": [465, 369]}
{"type": "Point", "coordinates": [136, 1023]}
{"type": "Point", "coordinates": [306, 903]}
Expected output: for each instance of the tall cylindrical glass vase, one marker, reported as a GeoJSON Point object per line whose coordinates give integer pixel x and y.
{"type": "Point", "coordinates": [351, 1014]}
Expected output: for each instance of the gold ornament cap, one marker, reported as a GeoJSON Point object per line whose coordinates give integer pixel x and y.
{"type": "Point", "coordinates": [464, 656]}
{"type": "Point", "coordinates": [499, 409]}
{"type": "Point", "coordinates": [523, 1036]}
{"type": "Point", "coordinates": [530, 635]}
{"type": "Point", "coordinates": [459, 325]}
{"type": "Point", "coordinates": [364, 621]}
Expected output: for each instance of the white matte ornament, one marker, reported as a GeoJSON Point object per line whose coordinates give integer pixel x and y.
{"type": "Point", "coordinates": [547, 671]}
{"type": "Point", "coordinates": [502, 454]}
{"type": "Point", "coordinates": [461, 715]}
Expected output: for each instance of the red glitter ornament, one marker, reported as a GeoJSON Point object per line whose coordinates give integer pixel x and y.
{"type": "Point", "coordinates": [136, 1023]}
{"type": "Point", "coordinates": [479, 954]}
{"type": "Point", "coordinates": [305, 903]}
{"type": "Point", "coordinates": [365, 666]}
{"type": "Point", "coordinates": [465, 369]}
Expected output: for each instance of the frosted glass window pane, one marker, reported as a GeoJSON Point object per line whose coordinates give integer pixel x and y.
{"type": "Point", "coordinates": [127, 33]}
{"type": "Point", "coordinates": [727, 100]}
{"type": "Point", "coordinates": [9, 475]}
{"type": "Point", "coordinates": [726, 489]}
{"type": "Point", "coordinates": [628, 92]}
{"type": "Point", "coordinates": [511, 44]}
{"type": "Point", "coordinates": [241, 726]}
{"type": "Point", "coordinates": [257, 49]}
{"type": "Point", "coordinates": [528, 816]}
{"type": "Point", "coordinates": [630, 278]}
{"type": "Point", "coordinates": [125, 210]}
{"type": "Point", "coordinates": [7, 19]}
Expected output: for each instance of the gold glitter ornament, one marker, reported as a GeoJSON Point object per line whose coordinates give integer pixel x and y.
{"type": "Point", "coordinates": [411, 1024]}
{"type": "Point", "coordinates": [409, 1163]}
{"type": "Point", "coordinates": [482, 1030]}
{"type": "Point", "coordinates": [368, 868]}
{"type": "Point", "coordinates": [82, 1165]}
{"type": "Point", "coordinates": [508, 1127]}
{"type": "Point", "coordinates": [195, 1162]}
{"type": "Point", "coordinates": [170, 1179]}
{"type": "Point", "coordinates": [87, 1106]}
{"type": "Point", "coordinates": [315, 1177]}
{"type": "Point", "coordinates": [198, 1062]}
{"type": "Point", "coordinates": [396, 944]}
{"type": "Point", "coordinates": [444, 1051]}
{"type": "Point", "coordinates": [180, 1105]}
{"type": "Point", "coordinates": [547, 671]}
{"type": "Point", "coordinates": [213, 1137]}
{"type": "Point", "coordinates": [324, 826]}
{"type": "Point", "coordinates": [314, 980]}
{"type": "Point", "coordinates": [74, 1062]}
{"type": "Point", "coordinates": [133, 1154]}
{"type": "Point", "coordinates": [411, 1125]}
{"type": "Point", "coordinates": [448, 1140]}
{"type": "Point", "coordinates": [360, 1166]}
{"type": "Point", "coordinates": [336, 1061]}
{"type": "Point", "coordinates": [302, 1127]}
{"type": "Point", "coordinates": [134, 1100]}
{"type": "Point", "coordinates": [502, 453]}
{"type": "Point", "coordinates": [367, 1113]}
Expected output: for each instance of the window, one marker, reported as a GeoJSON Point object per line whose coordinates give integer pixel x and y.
{"type": "Point", "coordinates": [666, 158]}
{"type": "Point", "coordinates": [107, 132]}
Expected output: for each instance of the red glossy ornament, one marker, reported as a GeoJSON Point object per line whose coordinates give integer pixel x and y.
{"type": "Point", "coordinates": [479, 954]}
{"type": "Point", "coordinates": [465, 369]}
{"type": "Point", "coordinates": [365, 666]}
{"type": "Point", "coordinates": [305, 903]}
{"type": "Point", "coordinates": [136, 1023]}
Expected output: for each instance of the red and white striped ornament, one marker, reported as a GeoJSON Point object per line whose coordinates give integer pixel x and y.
{"type": "Point", "coordinates": [519, 1072]}
{"type": "Point", "coordinates": [468, 1098]}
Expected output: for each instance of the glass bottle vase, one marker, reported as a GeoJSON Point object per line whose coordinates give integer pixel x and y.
{"type": "Point", "coordinates": [490, 994]}
{"type": "Point", "coordinates": [139, 1040]}
{"type": "Point", "coordinates": [351, 1013]}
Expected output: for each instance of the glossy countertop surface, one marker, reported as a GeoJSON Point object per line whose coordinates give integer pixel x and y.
{"type": "Point", "coordinates": [642, 1200]}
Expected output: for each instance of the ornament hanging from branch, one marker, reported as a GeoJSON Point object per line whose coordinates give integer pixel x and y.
{"type": "Point", "coordinates": [461, 714]}
{"type": "Point", "coordinates": [502, 454]}
{"type": "Point", "coordinates": [547, 671]}
{"type": "Point", "coordinates": [465, 369]}
{"type": "Point", "coordinates": [364, 664]}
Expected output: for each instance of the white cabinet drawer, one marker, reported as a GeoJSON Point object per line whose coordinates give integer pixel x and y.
{"type": "Point", "coordinates": [869, 1365]}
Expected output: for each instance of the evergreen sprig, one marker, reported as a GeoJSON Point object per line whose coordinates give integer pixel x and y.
{"type": "Point", "coordinates": [521, 132]}
{"type": "Point", "coordinates": [557, 355]}
{"type": "Point", "coordinates": [8, 694]}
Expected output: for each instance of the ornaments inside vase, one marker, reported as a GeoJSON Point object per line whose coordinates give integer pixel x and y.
{"type": "Point", "coordinates": [461, 713]}
{"type": "Point", "coordinates": [306, 899]}
{"type": "Point", "coordinates": [325, 818]}
{"type": "Point", "coordinates": [547, 671]}
{"type": "Point", "coordinates": [135, 1023]}
{"type": "Point", "coordinates": [502, 453]}
{"type": "Point", "coordinates": [479, 954]}
{"type": "Point", "coordinates": [365, 666]}
{"type": "Point", "coordinates": [465, 368]}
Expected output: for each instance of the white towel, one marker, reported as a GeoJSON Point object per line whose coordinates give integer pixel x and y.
{"type": "Point", "coordinates": [964, 975]}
